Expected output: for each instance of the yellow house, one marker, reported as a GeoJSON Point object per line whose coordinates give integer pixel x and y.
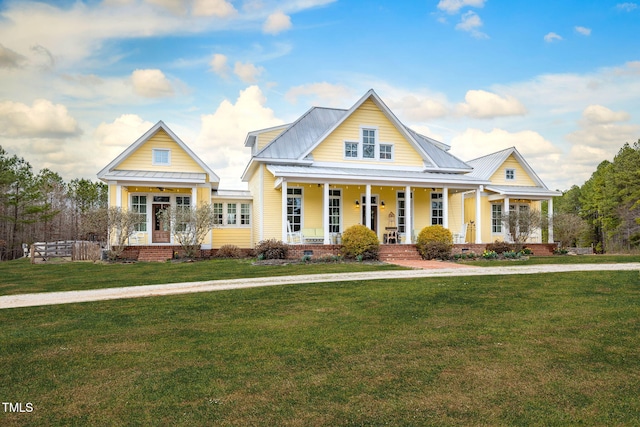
{"type": "Point", "coordinates": [333, 168]}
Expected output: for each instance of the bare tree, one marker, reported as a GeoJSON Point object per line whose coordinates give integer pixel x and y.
{"type": "Point", "coordinates": [121, 225]}
{"type": "Point", "coordinates": [522, 223]}
{"type": "Point", "coordinates": [569, 229]}
{"type": "Point", "coordinates": [190, 225]}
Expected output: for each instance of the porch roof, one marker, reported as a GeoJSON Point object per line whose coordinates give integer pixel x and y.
{"type": "Point", "coordinates": [524, 192]}
{"type": "Point", "coordinates": [141, 177]}
{"type": "Point", "coordinates": [371, 176]}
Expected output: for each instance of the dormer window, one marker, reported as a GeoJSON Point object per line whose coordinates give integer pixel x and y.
{"type": "Point", "coordinates": [161, 157]}
{"type": "Point", "coordinates": [510, 174]}
{"type": "Point", "coordinates": [369, 143]}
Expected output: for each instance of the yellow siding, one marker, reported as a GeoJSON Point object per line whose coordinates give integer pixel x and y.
{"type": "Point", "coordinates": [332, 148]}
{"type": "Point", "coordinates": [141, 159]}
{"type": "Point", "coordinates": [521, 178]}
{"type": "Point", "coordinates": [455, 212]}
{"type": "Point", "coordinates": [421, 209]}
{"type": "Point", "coordinates": [272, 207]}
{"type": "Point", "coordinates": [240, 237]}
{"type": "Point", "coordinates": [312, 208]}
{"type": "Point", "coordinates": [266, 137]}
{"type": "Point", "coordinates": [350, 212]}
{"type": "Point", "coordinates": [254, 188]}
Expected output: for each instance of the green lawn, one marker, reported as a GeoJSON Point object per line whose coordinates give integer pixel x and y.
{"type": "Point", "coordinates": [19, 277]}
{"type": "Point", "coordinates": [558, 259]}
{"type": "Point", "coordinates": [548, 349]}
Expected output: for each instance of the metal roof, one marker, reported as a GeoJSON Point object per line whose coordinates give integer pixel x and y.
{"type": "Point", "coordinates": [155, 176]}
{"type": "Point", "coordinates": [515, 191]}
{"type": "Point", "coordinates": [399, 177]}
{"type": "Point", "coordinates": [484, 167]}
{"type": "Point", "coordinates": [437, 152]}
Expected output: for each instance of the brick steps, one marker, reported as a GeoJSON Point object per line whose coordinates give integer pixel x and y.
{"type": "Point", "coordinates": [398, 252]}
{"type": "Point", "coordinates": [157, 254]}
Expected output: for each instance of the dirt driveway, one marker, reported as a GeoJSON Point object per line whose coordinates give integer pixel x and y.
{"type": "Point", "coordinates": [424, 270]}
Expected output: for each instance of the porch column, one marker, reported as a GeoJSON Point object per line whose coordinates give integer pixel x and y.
{"type": "Point", "coordinates": [284, 211]}
{"type": "Point", "coordinates": [118, 196]}
{"type": "Point", "coordinates": [550, 215]}
{"type": "Point", "coordinates": [479, 215]}
{"type": "Point", "coordinates": [194, 197]}
{"type": "Point", "coordinates": [325, 215]}
{"type": "Point", "coordinates": [505, 209]}
{"type": "Point", "coordinates": [445, 207]}
{"type": "Point", "coordinates": [408, 229]}
{"type": "Point", "coordinates": [367, 206]}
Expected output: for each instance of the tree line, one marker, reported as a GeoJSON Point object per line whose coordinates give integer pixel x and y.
{"type": "Point", "coordinates": [605, 210]}
{"type": "Point", "coordinates": [41, 206]}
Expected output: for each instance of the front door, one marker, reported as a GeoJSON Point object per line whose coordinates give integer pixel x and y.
{"type": "Point", "coordinates": [374, 213]}
{"type": "Point", "coordinates": [161, 232]}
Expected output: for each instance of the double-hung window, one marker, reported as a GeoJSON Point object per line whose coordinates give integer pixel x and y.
{"type": "Point", "coordinates": [183, 207]}
{"type": "Point", "coordinates": [334, 211]}
{"type": "Point", "coordinates": [245, 214]}
{"type": "Point", "coordinates": [437, 209]}
{"type": "Point", "coordinates": [294, 208]}
{"type": "Point", "coordinates": [496, 218]}
{"type": "Point", "coordinates": [368, 143]}
{"type": "Point", "coordinates": [139, 206]}
{"type": "Point", "coordinates": [232, 216]}
{"type": "Point", "coordinates": [218, 213]}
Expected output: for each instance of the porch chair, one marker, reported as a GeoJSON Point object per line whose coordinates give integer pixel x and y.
{"type": "Point", "coordinates": [461, 236]}
{"type": "Point", "coordinates": [135, 239]}
{"type": "Point", "coordinates": [294, 237]}
{"type": "Point", "coordinates": [391, 229]}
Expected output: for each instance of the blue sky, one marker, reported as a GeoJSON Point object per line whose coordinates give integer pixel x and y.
{"type": "Point", "coordinates": [80, 81]}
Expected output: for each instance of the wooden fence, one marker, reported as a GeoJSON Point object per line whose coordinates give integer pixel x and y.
{"type": "Point", "coordinates": [72, 249]}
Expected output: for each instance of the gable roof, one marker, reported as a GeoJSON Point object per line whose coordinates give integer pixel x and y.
{"type": "Point", "coordinates": [484, 167]}
{"type": "Point", "coordinates": [108, 170]}
{"type": "Point", "coordinates": [296, 143]}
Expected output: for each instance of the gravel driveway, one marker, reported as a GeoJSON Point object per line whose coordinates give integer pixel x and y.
{"type": "Point", "coordinates": [51, 298]}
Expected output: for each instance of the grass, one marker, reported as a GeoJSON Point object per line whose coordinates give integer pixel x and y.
{"type": "Point", "coordinates": [558, 259]}
{"type": "Point", "coordinates": [19, 277]}
{"type": "Point", "coordinates": [548, 349]}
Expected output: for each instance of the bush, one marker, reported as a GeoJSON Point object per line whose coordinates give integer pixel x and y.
{"type": "Point", "coordinates": [435, 242]}
{"type": "Point", "coordinates": [229, 251]}
{"type": "Point", "coordinates": [359, 242]}
{"type": "Point", "coordinates": [271, 249]}
{"type": "Point", "coordinates": [500, 247]}
{"type": "Point", "coordinates": [487, 254]}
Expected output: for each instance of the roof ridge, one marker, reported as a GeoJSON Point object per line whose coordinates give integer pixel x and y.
{"type": "Point", "coordinates": [492, 154]}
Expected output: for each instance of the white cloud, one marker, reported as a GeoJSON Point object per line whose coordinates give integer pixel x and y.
{"type": "Point", "coordinates": [276, 23]}
{"type": "Point", "coordinates": [603, 128]}
{"type": "Point", "coordinates": [42, 120]}
{"type": "Point", "coordinates": [626, 7]}
{"type": "Point", "coordinates": [10, 59]}
{"type": "Point", "coordinates": [247, 72]}
{"type": "Point", "coordinates": [220, 140]}
{"type": "Point", "coordinates": [418, 108]}
{"type": "Point", "coordinates": [474, 143]}
{"type": "Point", "coordinates": [322, 94]}
{"type": "Point", "coordinates": [151, 83]}
{"type": "Point", "coordinates": [482, 105]}
{"type": "Point", "coordinates": [470, 22]}
{"type": "Point", "coordinates": [218, 8]}
{"type": "Point", "coordinates": [453, 6]}
{"type": "Point", "coordinates": [597, 114]}
{"type": "Point", "coordinates": [551, 37]}
{"type": "Point", "coordinates": [219, 65]}
{"type": "Point", "coordinates": [583, 30]}
{"type": "Point", "coordinates": [122, 132]}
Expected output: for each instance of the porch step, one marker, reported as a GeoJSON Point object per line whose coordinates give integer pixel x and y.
{"type": "Point", "coordinates": [155, 254]}
{"type": "Point", "coordinates": [389, 253]}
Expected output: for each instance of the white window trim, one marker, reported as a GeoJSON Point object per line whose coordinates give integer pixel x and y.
{"type": "Point", "coordinates": [431, 199]}
{"type": "Point", "coordinates": [301, 204]}
{"type": "Point", "coordinates": [340, 206]}
{"type": "Point", "coordinates": [147, 214]}
{"type": "Point", "coordinates": [376, 149]}
{"type": "Point", "coordinates": [344, 150]}
{"type": "Point", "coordinates": [501, 232]}
{"type": "Point", "coordinates": [393, 150]}
{"type": "Point", "coordinates": [153, 156]}
{"type": "Point", "coordinates": [506, 174]}
{"type": "Point", "coordinates": [225, 213]}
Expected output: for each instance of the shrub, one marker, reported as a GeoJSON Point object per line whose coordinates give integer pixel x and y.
{"type": "Point", "coordinates": [435, 242]}
{"type": "Point", "coordinates": [359, 242]}
{"type": "Point", "coordinates": [487, 254]}
{"type": "Point", "coordinates": [229, 251]}
{"type": "Point", "coordinates": [511, 255]}
{"type": "Point", "coordinates": [271, 249]}
{"type": "Point", "coordinates": [499, 247]}
{"type": "Point", "coordinates": [526, 251]}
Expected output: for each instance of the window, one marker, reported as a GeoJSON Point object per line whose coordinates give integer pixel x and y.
{"type": "Point", "coordinates": [218, 213]}
{"type": "Point", "coordinates": [385, 151]}
{"type": "Point", "coordinates": [510, 174]}
{"type": "Point", "coordinates": [161, 157]}
{"type": "Point", "coordinates": [351, 149]}
{"type": "Point", "coordinates": [183, 204]}
{"type": "Point", "coordinates": [402, 212]}
{"type": "Point", "coordinates": [245, 214]}
{"type": "Point", "coordinates": [334, 211]}
{"type": "Point", "coordinates": [437, 215]}
{"type": "Point", "coordinates": [139, 205]}
{"type": "Point", "coordinates": [294, 208]}
{"type": "Point", "coordinates": [231, 213]}
{"type": "Point", "coordinates": [496, 218]}
{"type": "Point", "coordinates": [368, 143]}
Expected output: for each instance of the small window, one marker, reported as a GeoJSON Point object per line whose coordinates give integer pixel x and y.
{"type": "Point", "coordinates": [161, 157]}
{"type": "Point", "coordinates": [368, 143]}
{"type": "Point", "coordinates": [510, 174]}
{"type": "Point", "coordinates": [351, 149]}
{"type": "Point", "coordinates": [385, 151]}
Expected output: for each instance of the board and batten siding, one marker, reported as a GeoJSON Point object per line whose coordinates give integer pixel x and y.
{"type": "Point", "coordinates": [141, 159]}
{"type": "Point", "coordinates": [522, 178]}
{"type": "Point", "coordinates": [368, 114]}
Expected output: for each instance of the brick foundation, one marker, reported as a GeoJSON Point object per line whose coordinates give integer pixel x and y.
{"type": "Point", "coordinates": [317, 251]}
